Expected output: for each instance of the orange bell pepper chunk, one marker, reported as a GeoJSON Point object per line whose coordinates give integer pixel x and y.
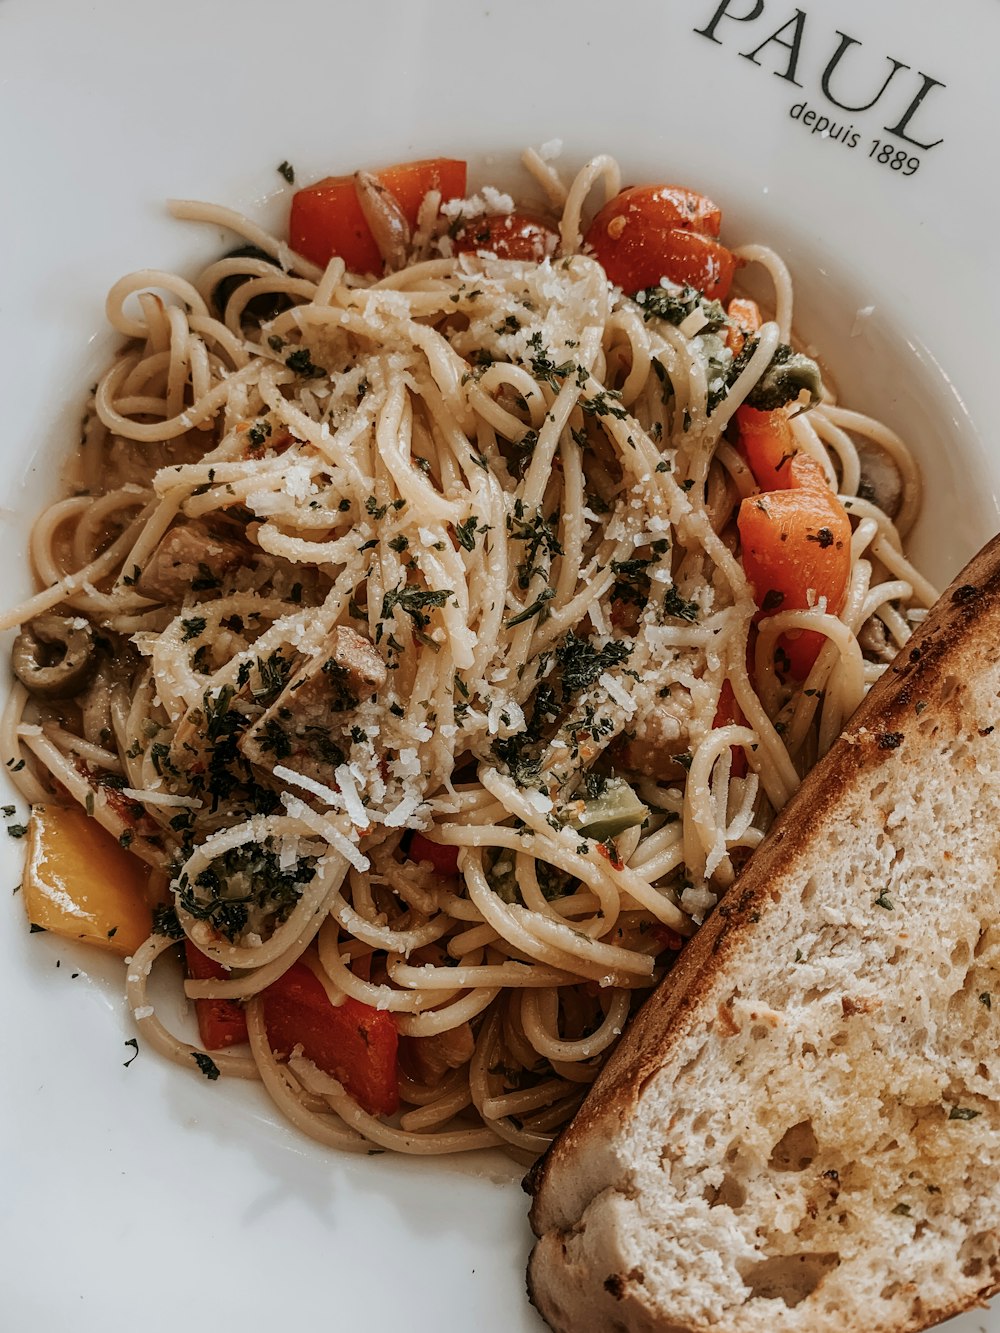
{"type": "Point", "coordinates": [352, 1042]}
{"type": "Point", "coordinates": [221, 1023]}
{"type": "Point", "coordinates": [768, 445]}
{"type": "Point", "coordinates": [80, 883]}
{"type": "Point", "coordinates": [326, 218]}
{"type": "Point", "coordinates": [729, 714]}
{"type": "Point", "coordinates": [746, 320]}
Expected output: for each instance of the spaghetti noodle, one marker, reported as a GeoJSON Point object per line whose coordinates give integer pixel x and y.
{"type": "Point", "coordinates": [454, 552]}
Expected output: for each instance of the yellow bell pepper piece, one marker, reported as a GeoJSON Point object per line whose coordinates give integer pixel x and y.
{"type": "Point", "coordinates": [79, 881]}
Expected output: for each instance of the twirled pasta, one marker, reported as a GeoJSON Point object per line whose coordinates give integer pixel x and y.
{"type": "Point", "coordinates": [457, 463]}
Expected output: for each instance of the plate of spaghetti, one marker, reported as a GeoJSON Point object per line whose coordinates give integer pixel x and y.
{"type": "Point", "coordinates": [458, 566]}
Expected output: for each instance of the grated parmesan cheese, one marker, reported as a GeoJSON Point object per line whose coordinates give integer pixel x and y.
{"type": "Point", "coordinates": [161, 798]}
{"type": "Point", "coordinates": [325, 794]}
{"type": "Point", "coordinates": [693, 323]}
{"type": "Point", "coordinates": [405, 810]}
{"type": "Point", "coordinates": [616, 691]}
{"type": "Point", "coordinates": [488, 200]}
{"type": "Point", "coordinates": [352, 801]}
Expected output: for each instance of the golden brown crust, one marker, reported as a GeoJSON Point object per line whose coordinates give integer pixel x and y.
{"type": "Point", "coordinates": [629, 1312]}
{"type": "Point", "coordinates": [964, 622]}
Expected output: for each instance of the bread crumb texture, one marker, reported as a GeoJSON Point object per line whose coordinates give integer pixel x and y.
{"type": "Point", "coordinates": [817, 1144]}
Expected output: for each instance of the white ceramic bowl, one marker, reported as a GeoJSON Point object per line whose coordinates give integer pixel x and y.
{"type": "Point", "coordinates": [145, 1198]}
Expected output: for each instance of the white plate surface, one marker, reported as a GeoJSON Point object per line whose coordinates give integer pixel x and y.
{"type": "Point", "coordinates": [144, 1198]}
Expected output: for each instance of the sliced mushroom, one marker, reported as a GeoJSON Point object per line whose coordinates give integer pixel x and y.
{"type": "Point", "coordinates": [116, 667]}
{"type": "Point", "coordinates": [875, 643]}
{"type": "Point", "coordinates": [385, 219]}
{"type": "Point", "coordinates": [660, 737]}
{"type": "Point", "coordinates": [430, 1058]}
{"type": "Point", "coordinates": [310, 719]}
{"type": "Point", "coordinates": [880, 482]}
{"type": "Point", "coordinates": [190, 556]}
{"type": "Point", "coordinates": [55, 656]}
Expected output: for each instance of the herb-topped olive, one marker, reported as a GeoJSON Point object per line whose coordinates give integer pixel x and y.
{"type": "Point", "coordinates": [55, 656]}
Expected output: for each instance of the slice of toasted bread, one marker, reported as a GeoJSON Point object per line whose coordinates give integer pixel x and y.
{"type": "Point", "coordinates": [801, 1128]}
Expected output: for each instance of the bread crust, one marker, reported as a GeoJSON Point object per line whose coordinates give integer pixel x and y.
{"type": "Point", "coordinates": [961, 636]}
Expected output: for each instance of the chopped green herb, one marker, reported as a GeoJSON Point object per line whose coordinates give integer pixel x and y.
{"type": "Point", "coordinates": [165, 922]}
{"type": "Point", "coordinates": [545, 369]}
{"type": "Point", "coordinates": [675, 302]}
{"type": "Point", "coordinates": [787, 374]}
{"type": "Point", "coordinates": [259, 433]}
{"type": "Point", "coordinates": [466, 533]}
{"type": "Point", "coordinates": [134, 1043]}
{"type": "Point", "coordinates": [632, 585]}
{"type": "Point", "coordinates": [192, 627]}
{"type": "Point", "coordinates": [580, 663]}
{"type": "Point", "coordinates": [603, 405]}
{"type": "Point", "coordinates": [272, 676]}
{"type": "Point", "coordinates": [675, 605]}
{"type": "Point", "coordinates": [533, 610]}
{"type": "Point", "coordinates": [414, 601]}
{"type": "Point", "coordinates": [206, 1064]}
{"type": "Point", "coordinates": [206, 580]}
{"type": "Point", "coordinates": [245, 878]}
{"type": "Point", "coordinates": [302, 363]}
{"type": "Point", "coordinates": [539, 536]}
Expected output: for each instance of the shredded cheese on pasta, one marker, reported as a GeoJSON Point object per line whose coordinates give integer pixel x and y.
{"type": "Point", "coordinates": [449, 552]}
